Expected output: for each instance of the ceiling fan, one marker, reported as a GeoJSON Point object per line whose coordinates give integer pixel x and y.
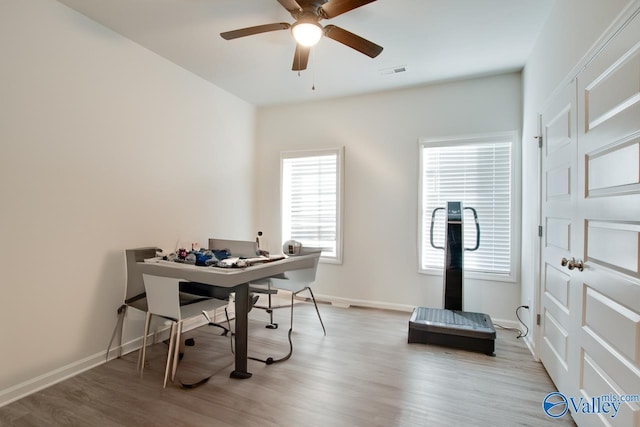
{"type": "Point", "coordinates": [307, 30]}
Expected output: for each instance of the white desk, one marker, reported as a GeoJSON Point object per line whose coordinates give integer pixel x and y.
{"type": "Point", "coordinates": [236, 278]}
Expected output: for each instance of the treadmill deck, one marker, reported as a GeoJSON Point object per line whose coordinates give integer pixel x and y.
{"type": "Point", "coordinates": [459, 329]}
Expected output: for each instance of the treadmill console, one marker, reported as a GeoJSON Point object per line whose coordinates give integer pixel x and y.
{"type": "Point", "coordinates": [454, 211]}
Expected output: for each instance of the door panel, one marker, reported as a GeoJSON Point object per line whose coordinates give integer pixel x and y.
{"type": "Point", "coordinates": [556, 338]}
{"type": "Point", "coordinates": [559, 196]}
{"type": "Point", "coordinates": [596, 382]}
{"type": "Point", "coordinates": [558, 233]}
{"type": "Point", "coordinates": [557, 286]}
{"type": "Point", "coordinates": [610, 89]}
{"type": "Point", "coordinates": [603, 180]}
{"type": "Point", "coordinates": [559, 183]}
{"type": "Point", "coordinates": [612, 324]}
{"type": "Point", "coordinates": [590, 204]}
{"type": "Point", "coordinates": [614, 244]}
{"type": "Point", "coordinates": [608, 211]}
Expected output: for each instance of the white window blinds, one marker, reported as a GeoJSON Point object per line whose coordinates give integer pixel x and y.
{"type": "Point", "coordinates": [310, 200]}
{"type": "Point", "coordinates": [478, 173]}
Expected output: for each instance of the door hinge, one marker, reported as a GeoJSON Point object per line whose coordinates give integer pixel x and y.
{"type": "Point", "coordinates": [539, 138]}
{"type": "Point", "coordinates": [539, 231]}
{"type": "Point", "coordinates": [538, 319]}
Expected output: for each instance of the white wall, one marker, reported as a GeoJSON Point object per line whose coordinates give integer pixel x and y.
{"type": "Point", "coordinates": [380, 134]}
{"type": "Point", "coordinates": [573, 27]}
{"type": "Point", "coordinates": [105, 146]}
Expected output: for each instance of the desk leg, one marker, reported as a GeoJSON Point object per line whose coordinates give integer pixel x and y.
{"type": "Point", "coordinates": [242, 328]}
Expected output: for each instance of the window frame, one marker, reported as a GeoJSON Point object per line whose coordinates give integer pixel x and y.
{"type": "Point", "coordinates": [339, 152]}
{"type": "Point", "coordinates": [515, 217]}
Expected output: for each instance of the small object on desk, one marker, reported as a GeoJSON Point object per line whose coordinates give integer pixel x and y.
{"type": "Point", "coordinates": [260, 244]}
{"type": "Point", "coordinates": [256, 260]}
{"type": "Point", "coordinates": [231, 261]}
{"type": "Point", "coordinates": [292, 247]}
{"type": "Point", "coordinates": [262, 259]}
{"type": "Point", "coordinates": [221, 254]}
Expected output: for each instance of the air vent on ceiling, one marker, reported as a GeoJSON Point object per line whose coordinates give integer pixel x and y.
{"type": "Point", "coordinates": [394, 70]}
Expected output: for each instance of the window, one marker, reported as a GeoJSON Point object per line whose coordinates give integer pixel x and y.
{"type": "Point", "coordinates": [311, 200]}
{"type": "Point", "coordinates": [479, 172]}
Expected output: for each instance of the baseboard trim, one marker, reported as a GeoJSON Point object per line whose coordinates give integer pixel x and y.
{"type": "Point", "coordinates": [48, 379]}
{"type": "Point", "coordinates": [350, 302]}
{"type": "Point", "coordinates": [529, 342]}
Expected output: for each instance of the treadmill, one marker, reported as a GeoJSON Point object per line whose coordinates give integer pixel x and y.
{"type": "Point", "coordinates": [452, 326]}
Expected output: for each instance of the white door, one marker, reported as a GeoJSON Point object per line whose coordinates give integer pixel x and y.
{"type": "Point", "coordinates": [609, 217]}
{"type": "Point", "coordinates": [559, 242]}
{"type": "Point", "coordinates": [590, 318]}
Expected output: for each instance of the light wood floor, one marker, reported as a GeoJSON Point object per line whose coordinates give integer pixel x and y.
{"type": "Point", "coordinates": [363, 373]}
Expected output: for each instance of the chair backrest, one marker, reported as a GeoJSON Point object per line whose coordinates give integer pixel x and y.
{"type": "Point", "coordinates": [135, 285]}
{"type": "Point", "coordinates": [162, 296]}
{"type": "Point", "coordinates": [305, 275]}
{"type": "Point", "coordinates": [241, 248]}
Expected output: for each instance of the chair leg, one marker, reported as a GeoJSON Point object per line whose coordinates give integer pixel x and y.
{"type": "Point", "coordinates": [176, 351]}
{"type": "Point", "coordinates": [225, 330]}
{"type": "Point", "coordinates": [122, 310]}
{"type": "Point", "coordinates": [271, 324]}
{"type": "Point", "coordinates": [269, 292]}
{"type": "Point", "coordinates": [317, 311]}
{"type": "Point", "coordinates": [226, 314]}
{"type": "Point", "coordinates": [143, 349]}
{"type": "Point", "coordinates": [271, 360]}
{"type": "Point", "coordinates": [172, 344]}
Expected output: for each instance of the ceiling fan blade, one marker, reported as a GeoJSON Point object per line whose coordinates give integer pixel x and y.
{"type": "Point", "coordinates": [243, 32]}
{"type": "Point", "coordinates": [337, 7]}
{"type": "Point", "coordinates": [301, 58]}
{"type": "Point", "coordinates": [352, 40]}
{"type": "Point", "coordinates": [290, 5]}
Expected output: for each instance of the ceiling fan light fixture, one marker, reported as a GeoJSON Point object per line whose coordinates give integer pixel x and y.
{"type": "Point", "coordinates": [307, 33]}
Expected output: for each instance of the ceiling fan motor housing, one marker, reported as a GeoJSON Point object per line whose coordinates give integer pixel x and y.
{"type": "Point", "coordinates": [309, 8]}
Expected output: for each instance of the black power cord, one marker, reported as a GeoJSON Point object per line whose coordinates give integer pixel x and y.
{"type": "Point", "coordinates": [520, 333]}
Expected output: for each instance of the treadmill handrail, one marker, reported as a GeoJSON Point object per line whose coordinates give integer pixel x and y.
{"type": "Point", "coordinates": [475, 218]}
{"type": "Point", "coordinates": [433, 216]}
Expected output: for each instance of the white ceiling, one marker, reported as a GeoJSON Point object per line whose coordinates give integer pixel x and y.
{"type": "Point", "coordinates": [435, 39]}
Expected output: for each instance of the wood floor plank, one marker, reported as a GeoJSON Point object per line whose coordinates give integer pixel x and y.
{"type": "Point", "coordinates": [363, 373]}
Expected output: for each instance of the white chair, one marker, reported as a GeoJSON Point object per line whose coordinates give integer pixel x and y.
{"type": "Point", "coordinates": [294, 281]}
{"type": "Point", "coordinates": [239, 248]}
{"type": "Point", "coordinates": [163, 300]}
{"type": "Point", "coordinates": [135, 296]}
